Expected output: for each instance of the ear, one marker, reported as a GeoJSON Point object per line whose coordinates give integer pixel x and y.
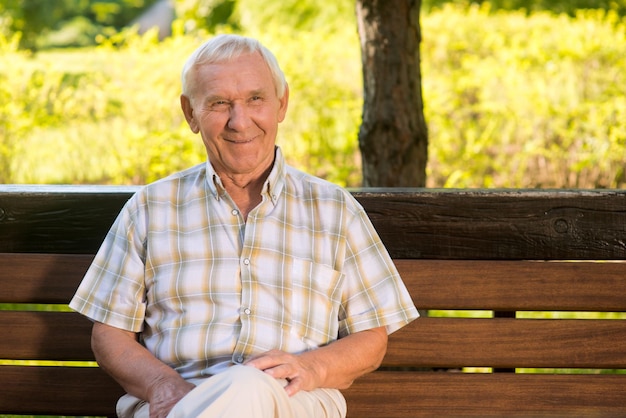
{"type": "Point", "coordinates": [284, 102]}
{"type": "Point", "coordinates": [185, 104]}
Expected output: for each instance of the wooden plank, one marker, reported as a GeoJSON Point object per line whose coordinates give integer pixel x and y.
{"type": "Point", "coordinates": [79, 391]}
{"type": "Point", "coordinates": [508, 343]}
{"type": "Point", "coordinates": [413, 223]}
{"type": "Point", "coordinates": [434, 284]}
{"type": "Point", "coordinates": [515, 285]}
{"type": "Point", "coordinates": [396, 395]}
{"type": "Point", "coordinates": [57, 391]}
{"type": "Point", "coordinates": [499, 224]}
{"type": "Point", "coordinates": [41, 278]}
{"type": "Point", "coordinates": [45, 336]}
{"type": "Point", "coordinates": [58, 219]}
{"type": "Point", "coordinates": [427, 342]}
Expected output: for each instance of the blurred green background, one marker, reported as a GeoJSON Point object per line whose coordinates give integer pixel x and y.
{"type": "Point", "coordinates": [517, 93]}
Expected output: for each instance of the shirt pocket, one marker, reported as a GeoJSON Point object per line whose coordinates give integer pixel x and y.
{"type": "Point", "coordinates": [316, 299]}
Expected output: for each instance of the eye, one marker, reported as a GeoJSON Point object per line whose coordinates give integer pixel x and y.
{"type": "Point", "coordinates": [219, 104]}
{"type": "Point", "coordinates": [256, 99]}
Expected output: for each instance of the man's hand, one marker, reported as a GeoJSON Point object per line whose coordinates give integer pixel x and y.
{"type": "Point", "coordinates": [300, 372]}
{"type": "Point", "coordinates": [137, 370]}
{"type": "Point", "coordinates": [335, 365]}
{"type": "Point", "coordinates": [166, 393]}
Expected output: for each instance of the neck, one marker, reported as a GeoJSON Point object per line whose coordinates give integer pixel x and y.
{"type": "Point", "coordinates": [245, 190]}
{"type": "Point", "coordinates": [246, 197]}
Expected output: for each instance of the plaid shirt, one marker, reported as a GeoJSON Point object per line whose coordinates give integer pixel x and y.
{"type": "Point", "coordinates": [202, 286]}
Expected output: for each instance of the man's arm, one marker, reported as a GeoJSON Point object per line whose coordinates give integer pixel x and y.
{"type": "Point", "coordinates": [335, 365]}
{"type": "Point", "coordinates": [140, 373]}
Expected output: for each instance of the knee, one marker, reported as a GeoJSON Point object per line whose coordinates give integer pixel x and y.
{"type": "Point", "coordinates": [250, 379]}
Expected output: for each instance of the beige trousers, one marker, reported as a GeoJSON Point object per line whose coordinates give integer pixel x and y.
{"type": "Point", "coordinates": [243, 391]}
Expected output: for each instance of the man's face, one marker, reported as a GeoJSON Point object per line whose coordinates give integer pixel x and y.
{"type": "Point", "coordinates": [234, 107]}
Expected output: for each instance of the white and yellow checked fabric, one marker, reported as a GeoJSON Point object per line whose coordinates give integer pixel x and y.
{"type": "Point", "coordinates": [180, 266]}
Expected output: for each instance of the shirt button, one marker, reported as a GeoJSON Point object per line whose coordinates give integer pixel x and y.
{"type": "Point", "coordinates": [247, 311]}
{"type": "Point", "coordinates": [235, 212]}
{"type": "Point", "coordinates": [239, 359]}
{"type": "Point", "coordinates": [246, 261]}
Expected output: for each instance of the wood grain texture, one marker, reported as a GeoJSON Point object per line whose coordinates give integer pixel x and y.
{"type": "Point", "coordinates": [41, 278]}
{"type": "Point", "coordinates": [58, 219]}
{"type": "Point", "coordinates": [499, 224]}
{"type": "Point", "coordinates": [413, 223]}
{"type": "Point", "coordinates": [427, 342]}
{"type": "Point", "coordinates": [74, 391]}
{"type": "Point", "coordinates": [515, 285]}
{"type": "Point", "coordinates": [57, 336]}
{"type": "Point", "coordinates": [456, 249]}
{"type": "Point", "coordinates": [78, 391]}
{"type": "Point", "coordinates": [509, 343]}
{"type": "Point", "coordinates": [482, 285]}
{"type": "Point", "coordinates": [442, 394]}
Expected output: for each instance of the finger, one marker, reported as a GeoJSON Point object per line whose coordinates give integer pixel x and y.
{"type": "Point", "coordinates": [293, 386]}
{"type": "Point", "coordinates": [261, 362]}
{"type": "Point", "coordinates": [281, 371]}
{"type": "Point", "coordinates": [268, 360]}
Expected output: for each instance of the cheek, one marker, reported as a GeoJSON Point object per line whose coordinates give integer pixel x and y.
{"type": "Point", "coordinates": [211, 124]}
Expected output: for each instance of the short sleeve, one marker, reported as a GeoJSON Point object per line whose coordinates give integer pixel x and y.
{"type": "Point", "coordinates": [113, 289]}
{"type": "Point", "coordinates": [374, 294]}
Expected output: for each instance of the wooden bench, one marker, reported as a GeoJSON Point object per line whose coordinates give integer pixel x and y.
{"type": "Point", "coordinates": [499, 253]}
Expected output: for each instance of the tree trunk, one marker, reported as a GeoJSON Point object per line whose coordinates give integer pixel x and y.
{"type": "Point", "coordinates": [393, 137]}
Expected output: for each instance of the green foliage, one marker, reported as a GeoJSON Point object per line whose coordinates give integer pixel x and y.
{"type": "Point", "coordinates": [44, 24]}
{"type": "Point", "coordinates": [60, 23]}
{"type": "Point", "coordinates": [111, 114]}
{"type": "Point", "coordinates": [103, 115]}
{"type": "Point", "coordinates": [570, 7]}
{"type": "Point", "coordinates": [197, 15]}
{"type": "Point", "coordinates": [522, 101]}
{"type": "Point", "coordinates": [298, 15]}
{"type": "Point", "coordinates": [512, 100]}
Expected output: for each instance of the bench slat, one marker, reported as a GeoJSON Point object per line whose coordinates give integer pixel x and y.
{"type": "Point", "coordinates": [413, 223]}
{"type": "Point", "coordinates": [59, 219]}
{"type": "Point", "coordinates": [516, 285]}
{"type": "Point", "coordinates": [500, 395]}
{"type": "Point", "coordinates": [498, 228]}
{"type": "Point", "coordinates": [427, 342]}
{"type": "Point", "coordinates": [41, 278]}
{"type": "Point", "coordinates": [499, 224]}
{"type": "Point", "coordinates": [88, 391]}
{"type": "Point", "coordinates": [486, 285]}
{"type": "Point", "coordinates": [45, 336]}
{"type": "Point", "coordinates": [507, 343]}
{"type": "Point", "coordinates": [57, 391]}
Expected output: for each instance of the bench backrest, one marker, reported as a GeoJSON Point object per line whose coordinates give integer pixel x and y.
{"type": "Point", "coordinates": [493, 254]}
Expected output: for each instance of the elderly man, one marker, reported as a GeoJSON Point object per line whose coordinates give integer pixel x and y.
{"type": "Point", "coordinates": [240, 287]}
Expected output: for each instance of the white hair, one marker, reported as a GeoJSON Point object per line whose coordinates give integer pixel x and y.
{"type": "Point", "coordinates": [223, 48]}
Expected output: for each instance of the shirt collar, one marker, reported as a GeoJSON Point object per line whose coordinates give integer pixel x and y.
{"type": "Point", "coordinates": [213, 181]}
{"type": "Point", "coordinates": [275, 182]}
{"type": "Point", "coordinates": [272, 187]}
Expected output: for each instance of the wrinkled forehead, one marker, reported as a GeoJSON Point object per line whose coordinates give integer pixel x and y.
{"type": "Point", "coordinates": [243, 74]}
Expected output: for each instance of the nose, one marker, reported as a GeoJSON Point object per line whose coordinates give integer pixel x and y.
{"type": "Point", "coordinates": [239, 118]}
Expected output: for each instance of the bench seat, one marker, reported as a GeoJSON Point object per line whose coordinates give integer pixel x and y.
{"type": "Point", "coordinates": [523, 295]}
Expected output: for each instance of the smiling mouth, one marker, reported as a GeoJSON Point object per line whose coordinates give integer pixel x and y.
{"type": "Point", "coordinates": [240, 140]}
